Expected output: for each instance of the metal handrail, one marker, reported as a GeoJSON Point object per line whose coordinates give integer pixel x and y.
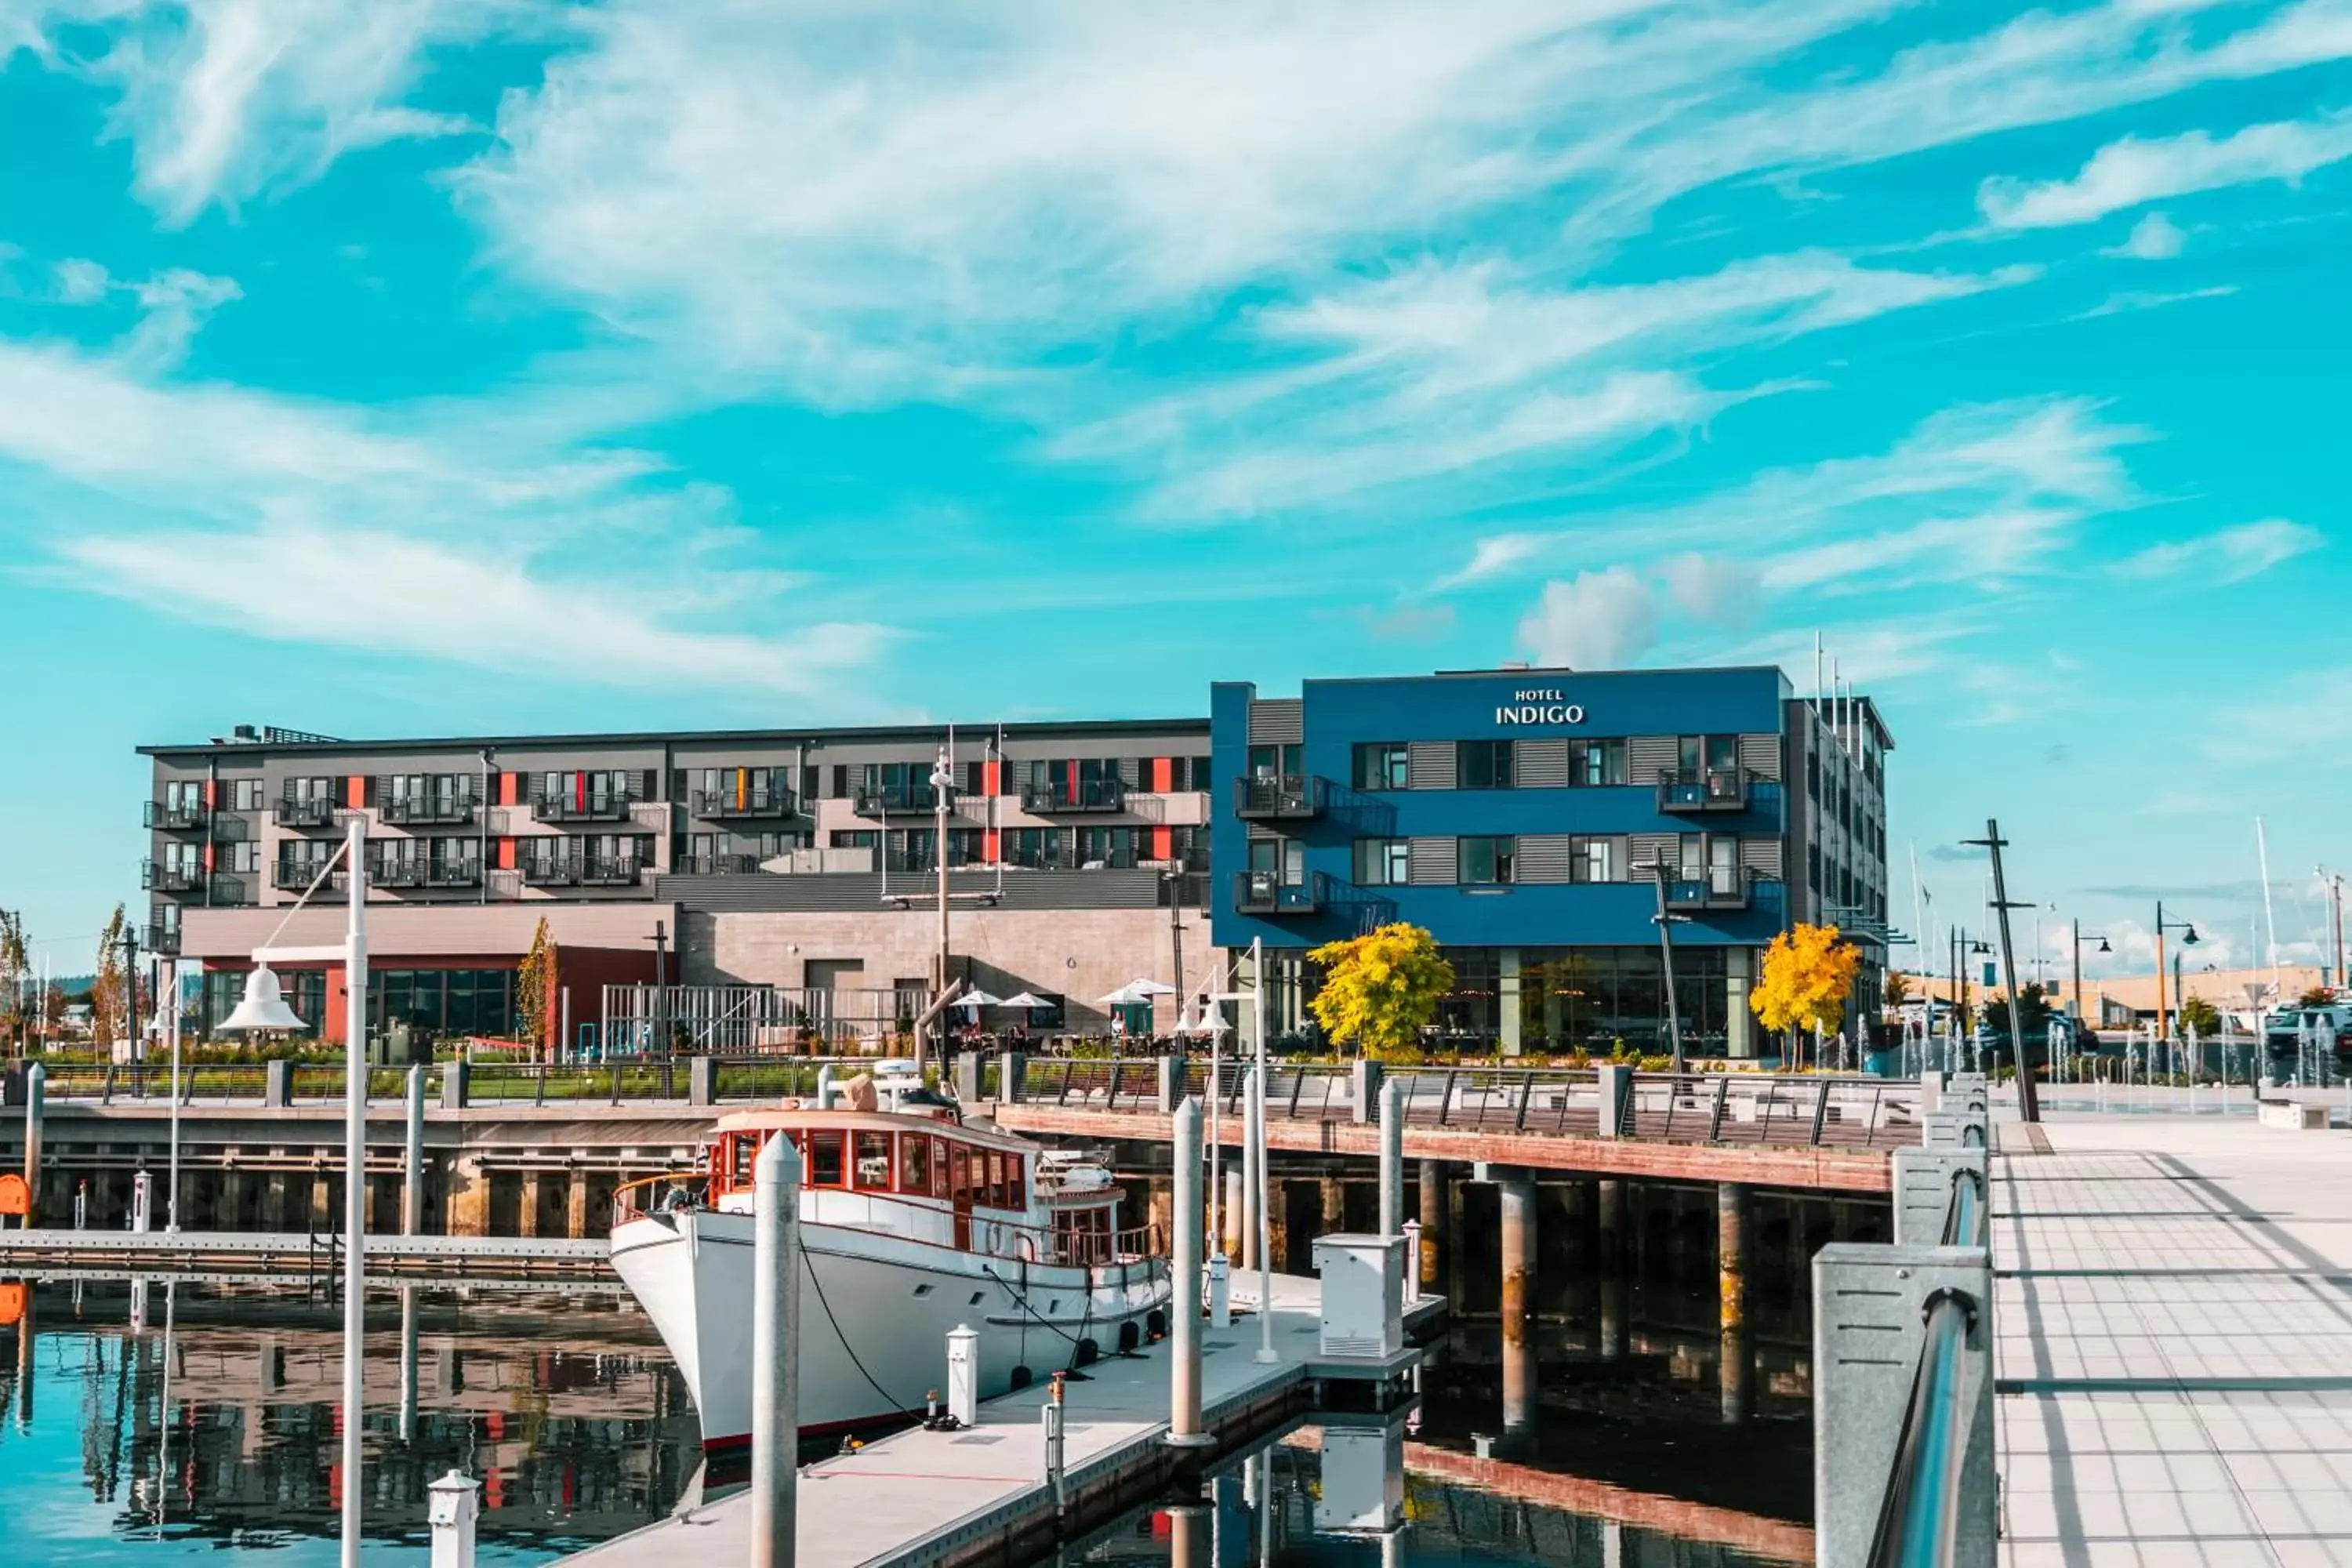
{"type": "Point", "coordinates": [1965, 1219]}
{"type": "Point", "coordinates": [1918, 1524]}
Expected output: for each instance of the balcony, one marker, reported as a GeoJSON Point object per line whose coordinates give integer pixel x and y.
{"type": "Point", "coordinates": [580, 808]}
{"type": "Point", "coordinates": [1265, 893]}
{"type": "Point", "coordinates": [293, 875]}
{"type": "Point", "coordinates": [744, 806]}
{"type": "Point", "coordinates": [901, 800]}
{"type": "Point", "coordinates": [1278, 797]}
{"type": "Point", "coordinates": [622, 873]}
{"type": "Point", "coordinates": [550, 872]}
{"type": "Point", "coordinates": [718, 865]}
{"type": "Point", "coordinates": [1704, 895]}
{"type": "Point", "coordinates": [311, 811]}
{"type": "Point", "coordinates": [177, 817]}
{"type": "Point", "coordinates": [1715, 789]}
{"type": "Point", "coordinates": [1075, 798]}
{"type": "Point", "coordinates": [160, 939]}
{"type": "Point", "coordinates": [427, 811]}
{"type": "Point", "coordinates": [161, 877]}
{"type": "Point", "coordinates": [396, 873]}
{"type": "Point", "coordinates": [453, 874]}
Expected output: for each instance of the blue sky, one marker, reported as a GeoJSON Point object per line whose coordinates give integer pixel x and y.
{"type": "Point", "coordinates": [414, 366]}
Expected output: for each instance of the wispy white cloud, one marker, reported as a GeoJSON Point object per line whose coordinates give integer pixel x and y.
{"type": "Point", "coordinates": [1598, 620]}
{"type": "Point", "coordinates": [2226, 555]}
{"type": "Point", "coordinates": [2126, 300]}
{"type": "Point", "coordinates": [2155, 237]}
{"type": "Point", "coordinates": [1713, 587]}
{"type": "Point", "coordinates": [2132, 172]}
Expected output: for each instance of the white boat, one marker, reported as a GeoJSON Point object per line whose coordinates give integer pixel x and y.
{"type": "Point", "coordinates": [911, 1225]}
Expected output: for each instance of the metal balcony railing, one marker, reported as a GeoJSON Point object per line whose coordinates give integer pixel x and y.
{"type": "Point", "coordinates": [396, 873]}
{"type": "Point", "coordinates": [1711, 789]}
{"type": "Point", "coordinates": [1269, 797]}
{"type": "Point", "coordinates": [1265, 893]}
{"type": "Point", "coordinates": [716, 866]}
{"type": "Point", "coordinates": [727, 804]}
{"type": "Point", "coordinates": [895, 799]}
{"type": "Point", "coordinates": [1697, 895]}
{"type": "Point", "coordinates": [1072, 797]}
{"type": "Point", "coordinates": [620, 873]}
{"type": "Point", "coordinates": [293, 875]}
{"type": "Point", "coordinates": [177, 817]}
{"type": "Point", "coordinates": [160, 939]}
{"type": "Point", "coordinates": [453, 873]}
{"type": "Point", "coordinates": [161, 877]}
{"type": "Point", "coordinates": [550, 873]}
{"type": "Point", "coordinates": [426, 810]}
{"type": "Point", "coordinates": [605, 807]}
{"type": "Point", "coordinates": [311, 810]}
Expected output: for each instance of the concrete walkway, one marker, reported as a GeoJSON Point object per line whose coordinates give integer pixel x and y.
{"type": "Point", "coordinates": [2174, 1353]}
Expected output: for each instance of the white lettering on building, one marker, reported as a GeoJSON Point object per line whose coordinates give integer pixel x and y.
{"type": "Point", "coordinates": [1541, 705]}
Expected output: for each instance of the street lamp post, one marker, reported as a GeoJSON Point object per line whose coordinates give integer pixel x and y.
{"type": "Point", "coordinates": [2077, 951]}
{"type": "Point", "coordinates": [264, 1008]}
{"type": "Point", "coordinates": [2188, 939]}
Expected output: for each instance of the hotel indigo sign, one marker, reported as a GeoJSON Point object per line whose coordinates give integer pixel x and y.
{"type": "Point", "coordinates": [1541, 706]}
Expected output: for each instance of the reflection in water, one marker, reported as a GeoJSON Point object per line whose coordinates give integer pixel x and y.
{"type": "Point", "coordinates": [215, 1420]}
{"type": "Point", "coordinates": [1361, 1492]}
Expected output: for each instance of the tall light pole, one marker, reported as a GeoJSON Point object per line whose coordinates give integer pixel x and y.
{"type": "Point", "coordinates": [2077, 951]}
{"type": "Point", "coordinates": [484, 837]}
{"type": "Point", "coordinates": [2188, 939]}
{"type": "Point", "coordinates": [1665, 924]}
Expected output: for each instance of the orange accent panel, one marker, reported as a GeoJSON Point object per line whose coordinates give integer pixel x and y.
{"type": "Point", "coordinates": [355, 792]}
{"type": "Point", "coordinates": [991, 782]}
{"type": "Point", "coordinates": [509, 786]}
{"type": "Point", "coordinates": [211, 851]}
{"type": "Point", "coordinates": [992, 850]}
{"type": "Point", "coordinates": [506, 854]}
{"type": "Point", "coordinates": [211, 794]}
{"type": "Point", "coordinates": [1163, 774]}
{"type": "Point", "coordinates": [1164, 844]}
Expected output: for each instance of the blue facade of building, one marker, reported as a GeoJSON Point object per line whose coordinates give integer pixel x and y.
{"type": "Point", "coordinates": [1528, 819]}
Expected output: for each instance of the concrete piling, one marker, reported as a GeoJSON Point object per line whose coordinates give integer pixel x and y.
{"type": "Point", "coordinates": [1184, 1426]}
{"type": "Point", "coordinates": [1734, 1206]}
{"type": "Point", "coordinates": [1392, 1160]}
{"type": "Point", "coordinates": [1517, 1192]}
{"type": "Point", "coordinates": [1434, 1240]}
{"type": "Point", "coordinates": [775, 1353]}
{"type": "Point", "coordinates": [1611, 1235]}
{"type": "Point", "coordinates": [412, 1186]}
{"type": "Point", "coordinates": [35, 1106]}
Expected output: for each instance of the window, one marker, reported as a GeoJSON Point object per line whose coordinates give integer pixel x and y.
{"type": "Point", "coordinates": [824, 1159]}
{"type": "Point", "coordinates": [915, 1163]}
{"type": "Point", "coordinates": [1595, 860]}
{"type": "Point", "coordinates": [245, 794]}
{"type": "Point", "coordinates": [1037, 849]}
{"type": "Point", "coordinates": [874, 1162]}
{"type": "Point", "coordinates": [184, 858]}
{"type": "Point", "coordinates": [899, 786]}
{"type": "Point", "coordinates": [1383, 862]}
{"type": "Point", "coordinates": [1481, 764]}
{"type": "Point", "coordinates": [1101, 847]}
{"type": "Point", "coordinates": [856, 838]}
{"type": "Point", "coordinates": [1488, 861]}
{"type": "Point", "coordinates": [1382, 764]}
{"type": "Point", "coordinates": [183, 795]}
{"type": "Point", "coordinates": [1283, 858]}
{"type": "Point", "coordinates": [1274, 761]}
{"type": "Point", "coordinates": [1593, 764]}
{"type": "Point", "coordinates": [245, 855]}
{"type": "Point", "coordinates": [319, 788]}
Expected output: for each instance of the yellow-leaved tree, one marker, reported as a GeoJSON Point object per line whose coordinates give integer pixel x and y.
{"type": "Point", "coordinates": [1808, 975]}
{"type": "Point", "coordinates": [1381, 989]}
{"type": "Point", "coordinates": [535, 984]}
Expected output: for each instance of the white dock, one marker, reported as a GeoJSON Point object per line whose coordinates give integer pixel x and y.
{"type": "Point", "coordinates": [942, 1497]}
{"type": "Point", "coordinates": [2174, 1360]}
{"type": "Point", "coordinates": [294, 1251]}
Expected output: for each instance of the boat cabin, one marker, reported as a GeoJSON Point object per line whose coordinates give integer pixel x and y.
{"type": "Point", "coordinates": [921, 1175]}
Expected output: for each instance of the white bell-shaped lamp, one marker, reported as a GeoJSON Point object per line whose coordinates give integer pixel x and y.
{"type": "Point", "coordinates": [263, 1007]}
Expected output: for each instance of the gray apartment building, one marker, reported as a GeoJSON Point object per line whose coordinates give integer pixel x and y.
{"type": "Point", "coordinates": [799, 866]}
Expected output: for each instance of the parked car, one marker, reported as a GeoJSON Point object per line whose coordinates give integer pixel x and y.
{"type": "Point", "coordinates": [2282, 1030]}
{"type": "Point", "coordinates": [1985, 1038]}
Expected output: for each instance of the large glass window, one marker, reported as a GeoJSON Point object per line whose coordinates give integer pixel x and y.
{"type": "Point", "coordinates": [1383, 862]}
{"type": "Point", "coordinates": [874, 1162]}
{"type": "Point", "coordinates": [1593, 764]}
{"type": "Point", "coordinates": [1595, 860]}
{"type": "Point", "coordinates": [1382, 764]}
{"type": "Point", "coordinates": [1483, 765]}
{"type": "Point", "coordinates": [1487, 860]}
{"type": "Point", "coordinates": [1274, 761]}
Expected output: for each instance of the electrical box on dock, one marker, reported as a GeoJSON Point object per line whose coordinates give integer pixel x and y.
{"type": "Point", "coordinates": [1363, 1295]}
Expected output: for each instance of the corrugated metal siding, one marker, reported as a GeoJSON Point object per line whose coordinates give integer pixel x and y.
{"type": "Point", "coordinates": [852, 893]}
{"type": "Point", "coordinates": [1429, 765]}
{"type": "Point", "coordinates": [1541, 764]}
{"type": "Point", "coordinates": [1762, 856]}
{"type": "Point", "coordinates": [1131, 771]}
{"type": "Point", "coordinates": [1544, 857]}
{"type": "Point", "coordinates": [1760, 756]}
{"type": "Point", "coordinates": [1644, 849]}
{"type": "Point", "coordinates": [1647, 756]}
{"type": "Point", "coordinates": [1278, 722]}
{"type": "Point", "coordinates": [1432, 860]}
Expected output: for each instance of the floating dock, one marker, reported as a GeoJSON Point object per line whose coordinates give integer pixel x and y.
{"type": "Point", "coordinates": [390, 1258]}
{"type": "Point", "coordinates": [942, 1499]}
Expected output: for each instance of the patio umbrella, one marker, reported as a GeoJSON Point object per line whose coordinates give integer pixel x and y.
{"type": "Point", "coordinates": [976, 999]}
{"type": "Point", "coordinates": [1136, 991]}
{"type": "Point", "coordinates": [1026, 1002]}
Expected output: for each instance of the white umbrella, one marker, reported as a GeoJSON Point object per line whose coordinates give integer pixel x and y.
{"type": "Point", "coordinates": [1136, 991]}
{"type": "Point", "coordinates": [976, 999]}
{"type": "Point", "coordinates": [1022, 999]}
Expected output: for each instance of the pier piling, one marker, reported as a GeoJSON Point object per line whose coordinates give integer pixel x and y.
{"type": "Point", "coordinates": [412, 1186]}
{"type": "Point", "coordinates": [1184, 1429]}
{"type": "Point", "coordinates": [35, 1097]}
{"type": "Point", "coordinates": [1392, 1161]}
{"type": "Point", "coordinates": [775, 1353]}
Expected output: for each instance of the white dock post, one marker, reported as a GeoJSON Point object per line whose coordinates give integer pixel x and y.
{"type": "Point", "coordinates": [1221, 1291]}
{"type": "Point", "coordinates": [412, 1170]}
{"type": "Point", "coordinates": [1051, 1413]}
{"type": "Point", "coordinates": [1246, 1256]}
{"type": "Point", "coordinates": [1392, 1161]}
{"type": "Point", "coordinates": [775, 1353]}
{"type": "Point", "coordinates": [824, 1087]}
{"type": "Point", "coordinates": [453, 1504]}
{"type": "Point", "coordinates": [36, 1097]}
{"type": "Point", "coordinates": [963, 1375]}
{"type": "Point", "coordinates": [1261, 1190]}
{"type": "Point", "coordinates": [1413, 1261]}
{"type": "Point", "coordinates": [1184, 1295]}
{"type": "Point", "coordinates": [143, 1202]}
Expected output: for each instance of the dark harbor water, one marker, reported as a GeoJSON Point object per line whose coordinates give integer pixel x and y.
{"type": "Point", "coordinates": [172, 1422]}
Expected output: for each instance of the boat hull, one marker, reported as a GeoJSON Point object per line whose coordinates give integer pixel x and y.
{"type": "Point", "coordinates": [874, 1314]}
